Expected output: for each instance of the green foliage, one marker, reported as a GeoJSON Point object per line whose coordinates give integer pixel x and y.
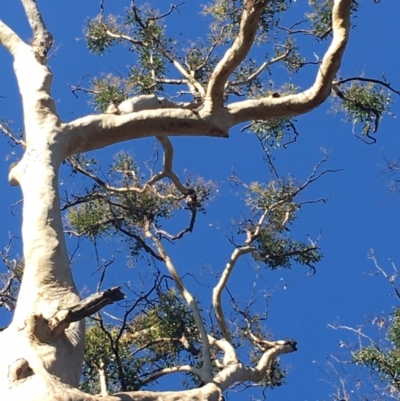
{"type": "Point", "coordinates": [198, 60]}
{"type": "Point", "coordinates": [270, 17]}
{"type": "Point", "coordinates": [96, 34]}
{"type": "Point", "coordinates": [293, 60]}
{"type": "Point", "coordinates": [170, 318]}
{"type": "Point", "coordinates": [273, 209]}
{"type": "Point", "coordinates": [228, 14]}
{"type": "Point", "coordinates": [102, 208]}
{"type": "Point", "coordinates": [90, 218]}
{"type": "Point", "coordinates": [394, 330]}
{"type": "Point", "coordinates": [276, 251]}
{"type": "Point", "coordinates": [108, 90]}
{"type": "Point", "coordinates": [126, 203]}
{"type": "Point", "coordinates": [272, 132]}
{"type": "Point", "coordinates": [384, 359]}
{"type": "Point", "coordinates": [130, 353]}
{"type": "Point", "coordinates": [144, 25]}
{"type": "Point", "coordinates": [106, 349]}
{"type": "Point", "coordinates": [276, 196]}
{"type": "Point", "coordinates": [365, 104]}
{"type": "Point", "coordinates": [321, 16]}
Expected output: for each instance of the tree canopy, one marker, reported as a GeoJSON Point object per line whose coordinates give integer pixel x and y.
{"type": "Point", "coordinates": [188, 233]}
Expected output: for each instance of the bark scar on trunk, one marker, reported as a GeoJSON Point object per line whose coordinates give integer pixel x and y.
{"type": "Point", "coordinates": [19, 370]}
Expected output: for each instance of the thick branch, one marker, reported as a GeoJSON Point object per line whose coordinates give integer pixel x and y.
{"type": "Point", "coordinates": [230, 357]}
{"type": "Point", "coordinates": [45, 387]}
{"type": "Point", "coordinates": [286, 106]}
{"type": "Point", "coordinates": [240, 373]}
{"type": "Point", "coordinates": [94, 303]}
{"type": "Point", "coordinates": [252, 10]}
{"type": "Point", "coordinates": [97, 131]}
{"type": "Point", "coordinates": [9, 39]}
{"type": "Point", "coordinates": [93, 132]}
{"type": "Point", "coordinates": [42, 38]}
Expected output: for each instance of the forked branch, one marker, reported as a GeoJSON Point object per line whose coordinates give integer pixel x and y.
{"type": "Point", "coordinates": [291, 105]}
{"type": "Point", "coordinates": [240, 373]}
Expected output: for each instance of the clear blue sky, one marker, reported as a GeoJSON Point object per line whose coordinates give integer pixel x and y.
{"type": "Point", "coordinates": [360, 214]}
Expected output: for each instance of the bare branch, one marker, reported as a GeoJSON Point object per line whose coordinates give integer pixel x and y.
{"type": "Point", "coordinates": [357, 331]}
{"type": "Point", "coordinates": [315, 175]}
{"type": "Point", "coordinates": [167, 170]}
{"type": "Point", "coordinates": [363, 79]}
{"type": "Point", "coordinates": [186, 230]}
{"type": "Point", "coordinates": [118, 190]}
{"type": "Point", "coordinates": [7, 132]}
{"type": "Point", "coordinates": [259, 70]}
{"type": "Point", "coordinates": [141, 242]}
{"type": "Point", "coordinates": [47, 330]}
{"type": "Point", "coordinates": [292, 31]}
{"type": "Point", "coordinates": [390, 279]}
{"type": "Point", "coordinates": [92, 304]}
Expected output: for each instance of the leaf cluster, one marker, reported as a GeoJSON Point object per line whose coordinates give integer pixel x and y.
{"type": "Point", "coordinates": [108, 90]}
{"type": "Point", "coordinates": [126, 203]}
{"type": "Point", "coordinates": [96, 34]}
{"type": "Point", "coordinates": [131, 353]}
{"type": "Point", "coordinates": [101, 209]}
{"type": "Point", "coordinates": [321, 16]}
{"type": "Point", "coordinates": [274, 204]}
{"type": "Point", "coordinates": [384, 360]}
{"type": "Point", "coordinates": [365, 104]}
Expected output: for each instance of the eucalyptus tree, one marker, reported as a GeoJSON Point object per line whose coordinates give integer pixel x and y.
{"type": "Point", "coordinates": [222, 88]}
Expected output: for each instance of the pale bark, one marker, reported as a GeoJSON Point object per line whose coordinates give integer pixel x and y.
{"type": "Point", "coordinates": [217, 292]}
{"type": "Point", "coordinates": [205, 372]}
{"type": "Point", "coordinates": [252, 10]}
{"type": "Point", "coordinates": [44, 361]}
{"type": "Point", "coordinates": [291, 105]}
